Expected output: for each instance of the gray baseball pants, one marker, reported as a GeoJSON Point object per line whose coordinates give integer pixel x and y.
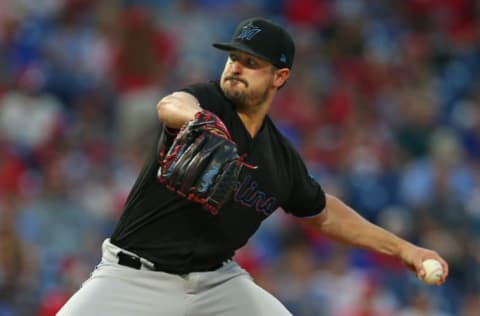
{"type": "Point", "coordinates": [116, 290]}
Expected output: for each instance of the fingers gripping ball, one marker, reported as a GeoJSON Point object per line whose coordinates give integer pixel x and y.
{"type": "Point", "coordinates": [203, 163]}
{"type": "Point", "coordinates": [433, 271]}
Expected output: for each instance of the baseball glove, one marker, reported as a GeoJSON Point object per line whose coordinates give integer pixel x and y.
{"type": "Point", "coordinates": [202, 164]}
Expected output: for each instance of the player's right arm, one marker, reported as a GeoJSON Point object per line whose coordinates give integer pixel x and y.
{"type": "Point", "coordinates": [177, 108]}
{"type": "Point", "coordinates": [341, 223]}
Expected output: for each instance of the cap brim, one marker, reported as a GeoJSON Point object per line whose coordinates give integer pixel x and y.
{"type": "Point", "coordinates": [240, 47]}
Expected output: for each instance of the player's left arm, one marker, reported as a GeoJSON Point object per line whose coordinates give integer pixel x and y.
{"type": "Point", "coordinates": [341, 223]}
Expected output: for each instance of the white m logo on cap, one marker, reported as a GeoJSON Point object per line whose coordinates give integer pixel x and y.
{"type": "Point", "coordinates": [248, 32]}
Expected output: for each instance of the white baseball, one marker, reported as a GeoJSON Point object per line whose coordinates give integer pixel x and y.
{"type": "Point", "coordinates": [433, 271]}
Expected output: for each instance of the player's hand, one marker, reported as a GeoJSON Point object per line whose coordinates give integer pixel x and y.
{"type": "Point", "coordinates": [413, 256]}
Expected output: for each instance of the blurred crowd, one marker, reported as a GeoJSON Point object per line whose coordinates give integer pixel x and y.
{"type": "Point", "coordinates": [383, 104]}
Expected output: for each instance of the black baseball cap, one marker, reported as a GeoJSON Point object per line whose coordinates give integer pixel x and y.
{"type": "Point", "coordinates": [262, 38]}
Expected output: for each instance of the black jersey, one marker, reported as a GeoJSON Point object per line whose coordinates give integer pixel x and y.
{"type": "Point", "coordinates": [176, 233]}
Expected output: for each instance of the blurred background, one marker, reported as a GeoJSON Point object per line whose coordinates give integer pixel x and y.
{"type": "Point", "coordinates": [383, 104]}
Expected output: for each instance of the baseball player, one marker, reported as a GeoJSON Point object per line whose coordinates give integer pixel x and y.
{"type": "Point", "coordinates": [218, 168]}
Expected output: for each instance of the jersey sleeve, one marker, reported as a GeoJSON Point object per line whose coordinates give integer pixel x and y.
{"type": "Point", "coordinates": [307, 197]}
{"type": "Point", "coordinates": [207, 95]}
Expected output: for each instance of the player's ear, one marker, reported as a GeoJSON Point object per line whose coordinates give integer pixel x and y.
{"type": "Point", "coordinates": [280, 77]}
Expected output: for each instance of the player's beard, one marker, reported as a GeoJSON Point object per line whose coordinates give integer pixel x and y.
{"type": "Point", "coordinates": [246, 97]}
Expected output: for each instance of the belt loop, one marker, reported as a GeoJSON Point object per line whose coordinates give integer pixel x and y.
{"type": "Point", "coordinates": [125, 259]}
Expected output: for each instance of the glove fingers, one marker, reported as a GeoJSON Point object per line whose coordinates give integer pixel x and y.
{"type": "Point", "coordinates": [209, 158]}
{"type": "Point", "coordinates": [203, 162]}
{"type": "Point", "coordinates": [223, 187]}
{"type": "Point", "coordinates": [180, 144]}
{"type": "Point", "coordinates": [211, 123]}
{"type": "Point", "coordinates": [178, 170]}
{"type": "Point", "coordinates": [198, 156]}
{"type": "Point", "coordinates": [225, 152]}
{"type": "Point", "coordinates": [201, 157]}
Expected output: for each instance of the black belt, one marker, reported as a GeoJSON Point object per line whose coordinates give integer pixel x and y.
{"type": "Point", "coordinates": [135, 262]}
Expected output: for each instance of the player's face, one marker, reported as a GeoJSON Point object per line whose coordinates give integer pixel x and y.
{"type": "Point", "coordinates": [246, 79]}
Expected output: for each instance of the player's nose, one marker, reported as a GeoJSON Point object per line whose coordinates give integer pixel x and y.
{"type": "Point", "coordinates": [236, 67]}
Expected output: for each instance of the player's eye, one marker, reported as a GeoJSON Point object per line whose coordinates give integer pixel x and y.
{"type": "Point", "coordinates": [251, 63]}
